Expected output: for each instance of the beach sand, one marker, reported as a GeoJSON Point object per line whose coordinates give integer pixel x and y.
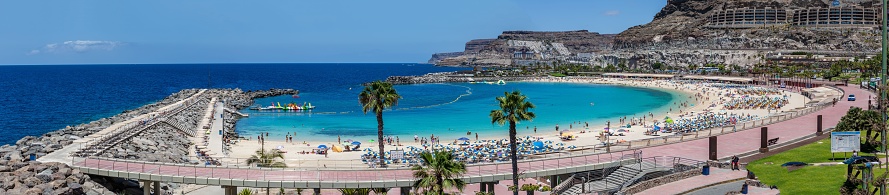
{"type": "Point", "coordinates": [707, 96]}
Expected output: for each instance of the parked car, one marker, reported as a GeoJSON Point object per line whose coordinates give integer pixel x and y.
{"type": "Point", "coordinates": [851, 97]}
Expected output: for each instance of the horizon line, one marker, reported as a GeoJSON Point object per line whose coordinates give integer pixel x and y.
{"type": "Point", "coordinates": [210, 63]}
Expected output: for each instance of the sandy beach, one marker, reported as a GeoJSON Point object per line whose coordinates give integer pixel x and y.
{"type": "Point", "coordinates": [700, 98]}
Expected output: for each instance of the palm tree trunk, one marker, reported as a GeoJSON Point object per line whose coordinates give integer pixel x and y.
{"type": "Point", "coordinates": [515, 158]}
{"type": "Point", "coordinates": [380, 137]}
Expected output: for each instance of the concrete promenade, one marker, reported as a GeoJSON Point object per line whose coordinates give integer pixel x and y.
{"type": "Point", "coordinates": [749, 140]}
{"type": "Point", "coordinates": [716, 176]}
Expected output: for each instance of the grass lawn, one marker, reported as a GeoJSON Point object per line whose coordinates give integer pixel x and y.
{"type": "Point", "coordinates": [809, 179]}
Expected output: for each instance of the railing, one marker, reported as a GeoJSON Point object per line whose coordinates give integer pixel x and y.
{"type": "Point", "coordinates": [333, 174]}
{"type": "Point", "coordinates": [675, 165]}
{"type": "Point", "coordinates": [567, 184]}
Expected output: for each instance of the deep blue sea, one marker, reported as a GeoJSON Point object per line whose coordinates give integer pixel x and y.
{"type": "Point", "coordinates": [38, 99]}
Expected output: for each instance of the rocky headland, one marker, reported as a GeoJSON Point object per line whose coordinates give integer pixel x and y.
{"type": "Point", "coordinates": [688, 32]}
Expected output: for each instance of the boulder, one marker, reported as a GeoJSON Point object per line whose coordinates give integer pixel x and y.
{"type": "Point", "coordinates": [32, 181]}
{"type": "Point", "coordinates": [58, 184]}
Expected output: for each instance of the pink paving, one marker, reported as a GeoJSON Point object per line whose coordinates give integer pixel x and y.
{"type": "Point", "coordinates": [745, 141]}
{"type": "Point", "coordinates": [729, 144]}
{"type": "Point", "coordinates": [716, 176]}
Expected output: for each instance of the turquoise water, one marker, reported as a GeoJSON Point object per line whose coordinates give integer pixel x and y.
{"type": "Point", "coordinates": [450, 110]}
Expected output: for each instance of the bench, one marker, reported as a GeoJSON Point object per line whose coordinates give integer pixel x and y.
{"type": "Point", "coordinates": [772, 141]}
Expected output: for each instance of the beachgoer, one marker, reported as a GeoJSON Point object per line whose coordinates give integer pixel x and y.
{"type": "Point", "coordinates": [735, 165]}
{"type": "Point", "coordinates": [535, 129]}
{"type": "Point", "coordinates": [476, 136]}
{"type": "Point", "coordinates": [338, 139]}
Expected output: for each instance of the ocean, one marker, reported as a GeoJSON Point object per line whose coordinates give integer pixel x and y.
{"type": "Point", "coordinates": [453, 109]}
{"type": "Point", "coordinates": [41, 98]}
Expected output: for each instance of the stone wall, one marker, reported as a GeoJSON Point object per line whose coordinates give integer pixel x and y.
{"type": "Point", "coordinates": [644, 185]}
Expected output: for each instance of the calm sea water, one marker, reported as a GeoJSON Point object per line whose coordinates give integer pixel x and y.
{"type": "Point", "coordinates": [450, 110]}
{"type": "Point", "coordinates": [38, 99]}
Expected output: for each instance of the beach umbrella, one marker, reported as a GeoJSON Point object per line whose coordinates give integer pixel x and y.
{"type": "Point", "coordinates": [538, 144]}
{"type": "Point", "coordinates": [359, 143]}
{"type": "Point", "coordinates": [279, 147]}
{"type": "Point", "coordinates": [349, 140]}
{"type": "Point", "coordinates": [463, 139]}
{"type": "Point", "coordinates": [371, 141]}
{"type": "Point", "coordinates": [322, 146]}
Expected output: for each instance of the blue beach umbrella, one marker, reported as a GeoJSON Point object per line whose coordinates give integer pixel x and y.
{"type": "Point", "coordinates": [322, 146]}
{"type": "Point", "coordinates": [356, 143]}
{"type": "Point", "coordinates": [463, 139]}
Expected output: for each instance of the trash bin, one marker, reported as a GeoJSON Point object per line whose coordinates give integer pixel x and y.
{"type": "Point", "coordinates": [744, 188]}
{"type": "Point", "coordinates": [705, 170]}
{"type": "Point", "coordinates": [220, 132]}
{"type": "Point", "coordinates": [33, 157]}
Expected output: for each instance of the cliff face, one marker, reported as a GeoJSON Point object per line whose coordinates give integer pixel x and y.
{"type": "Point", "coordinates": [686, 19]}
{"type": "Point", "coordinates": [536, 45]}
{"type": "Point", "coordinates": [696, 32]}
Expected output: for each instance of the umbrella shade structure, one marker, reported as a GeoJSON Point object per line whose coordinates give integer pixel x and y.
{"type": "Point", "coordinates": [371, 141]}
{"type": "Point", "coordinates": [537, 144]}
{"type": "Point", "coordinates": [356, 143]}
{"type": "Point", "coordinates": [793, 164]}
{"type": "Point", "coordinates": [279, 147]}
{"type": "Point", "coordinates": [861, 159]}
{"type": "Point", "coordinates": [368, 150]}
{"type": "Point", "coordinates": [463, 139]}
{"type": "Point", "coordinates": [337, 149]}
{"type": "Point", "coordinates": [322, 146]}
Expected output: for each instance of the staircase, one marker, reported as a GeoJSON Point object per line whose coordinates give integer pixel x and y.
{"type": "Point", "coordinates": [615, 180]}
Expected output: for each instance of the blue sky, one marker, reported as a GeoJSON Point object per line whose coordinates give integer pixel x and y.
{"type": "Point", "coordinates": [236, 31]}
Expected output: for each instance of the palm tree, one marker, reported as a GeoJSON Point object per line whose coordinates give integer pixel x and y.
{"type": "Point", "coordinates": [355, 191]}
{"type": "Point", "coordinates": [246, 191]}
{"type": "Point", "coordinates": [263, 158]}
{"type": "Point", "coordinates": [376, 97]}
{"type": "Point", "coordinates": [380, 191]}
{"type": "Point", "coordinates": [513, 108]}
{"type": "Point", "coordinates": [441, 172]}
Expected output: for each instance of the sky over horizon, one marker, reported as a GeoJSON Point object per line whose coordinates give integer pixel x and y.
{"type": "Point", "coordinates": [230, 31]}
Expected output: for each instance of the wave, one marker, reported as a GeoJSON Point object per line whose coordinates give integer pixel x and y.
{"type": "Point", "coordinates": [468, 93]}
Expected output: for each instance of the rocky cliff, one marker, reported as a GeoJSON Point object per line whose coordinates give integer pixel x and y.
{"type": "Point", "coordinates": [687, 32]}
{"type": "Point", "coordinates": [534, 45]}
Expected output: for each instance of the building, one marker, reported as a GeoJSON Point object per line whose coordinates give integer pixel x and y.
{"type": "Point", "coordinates": [833, 16]}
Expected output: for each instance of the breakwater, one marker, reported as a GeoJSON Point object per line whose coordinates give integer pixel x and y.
{"type": "Point", "coordinates": [162, 142]}
{"type": "Point", "coordinates": [451, 77]}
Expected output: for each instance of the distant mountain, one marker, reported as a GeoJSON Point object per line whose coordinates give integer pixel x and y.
{"type": "Point", "coordinates": [696, 32]}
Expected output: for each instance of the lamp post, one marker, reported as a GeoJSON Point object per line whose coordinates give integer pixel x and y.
{"type": "Point", "coordinates": [883, 77]}
{"type": "Point", "coordinates": [608, 137]}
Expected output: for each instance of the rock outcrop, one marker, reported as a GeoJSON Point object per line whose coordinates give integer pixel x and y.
{"type": "Point", "coordinates": [696, 32]}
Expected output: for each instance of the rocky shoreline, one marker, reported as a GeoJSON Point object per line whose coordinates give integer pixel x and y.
{"type": "Point", "coordinates": [450, 77]}
{"type": "Point", "coordinates": [161, 143]}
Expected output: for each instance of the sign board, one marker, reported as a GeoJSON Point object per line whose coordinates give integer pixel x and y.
{"type": "Point", "coordinates": [845, 141]}
{"type": "Point", "coordinates": [396, 154]}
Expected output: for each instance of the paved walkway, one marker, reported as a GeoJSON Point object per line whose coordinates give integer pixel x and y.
{"type": "Point", "coordinates": [215, 141]}
{"type": "Point", "coordinates": [748, 140]}
{"type": "Point", "coordinates": [716, 176]}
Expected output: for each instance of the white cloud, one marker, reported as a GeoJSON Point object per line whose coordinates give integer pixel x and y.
{"type": "Point", "coordinates": [612, 13]}
{"type": "Point", "coordinates": [78, 46]}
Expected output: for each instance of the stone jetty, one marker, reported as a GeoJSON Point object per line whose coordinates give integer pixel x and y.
{"type": "Point", "coordinates": [163, 142]}
{"type": "Point", "coordinates": [448, 77]}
